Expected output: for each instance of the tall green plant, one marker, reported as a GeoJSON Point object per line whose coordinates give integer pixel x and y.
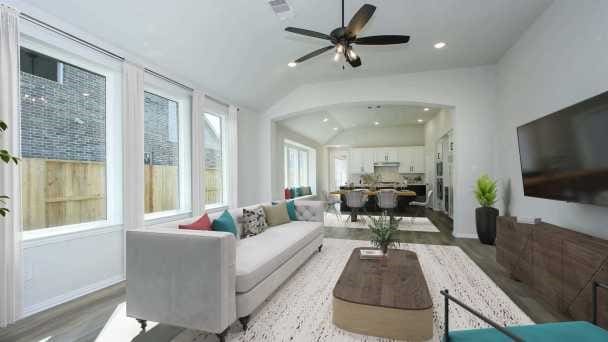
{"type": "Point", "coordinates": [383, 231]}
{"type": "Point", "coordinates": [7, 158]}
{"type": "Point", "coordinates": [485, 191]}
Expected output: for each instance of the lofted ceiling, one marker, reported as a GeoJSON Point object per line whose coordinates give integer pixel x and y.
{"type": "Point", "coordinates": [239, 51]}
{"type": "Point", "coordinates": [322, 125]}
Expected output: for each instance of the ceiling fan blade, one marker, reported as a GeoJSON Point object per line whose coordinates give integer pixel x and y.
{"type": "Point", "coordinates": [355, 63]}
{"type": "Point", "coordinates": [382, 40]}
{"type": "Point", "coordinates": [313, 54]}
{"type": "Point", "coordinates": [308, 33]}
{"type": "Point", "coordinates": [360, 19]}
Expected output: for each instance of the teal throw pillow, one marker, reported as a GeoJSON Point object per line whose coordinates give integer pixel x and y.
{"type": "Point", "coordinates": [291, 210]}
{"type": "Point", "coordinates": [225, 223]}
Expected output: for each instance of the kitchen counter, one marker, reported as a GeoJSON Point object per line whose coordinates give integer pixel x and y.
{"type": "Point", "coordinates": [407, 194]}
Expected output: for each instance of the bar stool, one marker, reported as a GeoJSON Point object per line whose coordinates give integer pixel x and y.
{"type": "Point", "coordinates": [421, 205]}
{"type": "Point", "coordinates": [356, 201]}
{"type": "Point", "coordinates": [387, 200]}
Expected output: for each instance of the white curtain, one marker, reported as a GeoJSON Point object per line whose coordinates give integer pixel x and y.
{"type": "Point", "coordinates": [198, 153]}
{"type": "Point", "coordinates": [10, 181]}
{"type": "Point", "coordinates": [133, 145]}
{"type": "Point", "coordinates": [232, 156]}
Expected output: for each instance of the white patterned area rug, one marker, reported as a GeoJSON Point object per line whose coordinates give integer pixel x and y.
{"type": "Point", "coordinates": [301, 309]}
{"type": "Point", "coordinates": [419, 224]}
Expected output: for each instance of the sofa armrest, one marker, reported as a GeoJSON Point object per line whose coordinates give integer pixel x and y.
{"type": "Point", "coordinates": [184, 278]}
{"type": "Point", "coordinates": [312, 211]}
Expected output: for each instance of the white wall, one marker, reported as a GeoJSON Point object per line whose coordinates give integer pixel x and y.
{"type": "Point", "coordinates": [249, 155]}
{"type": "Point", "coordinates": [470, 91]}
{"type": "Point", "coordinates": [559, 61]}
{"type": "Point", "coordinates": [411, 135]}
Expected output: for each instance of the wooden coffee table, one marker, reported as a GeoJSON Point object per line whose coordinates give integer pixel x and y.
{"type": "Point", "coordinates": [388, 297]}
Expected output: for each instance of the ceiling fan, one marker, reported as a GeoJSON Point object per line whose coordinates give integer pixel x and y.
{"type": "Point", "coordinates": [343, 37]}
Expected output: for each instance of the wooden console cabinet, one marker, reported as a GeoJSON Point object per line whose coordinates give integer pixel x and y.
{"type": "Point", "coordinates": [559, 264]}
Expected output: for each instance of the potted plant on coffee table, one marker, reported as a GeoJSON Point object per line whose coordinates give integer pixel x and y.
{"type": "Point", "coordinates": [485, 216]}
{"type": "Point", "coordinates": [383, 232]}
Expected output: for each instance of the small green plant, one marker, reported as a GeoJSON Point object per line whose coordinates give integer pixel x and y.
{"type": "Point", "coordinates": [383, 231]}
{"type": "Point", "coordinates": [6, 157]}
{"type": "Point", "coordinates": [485, 191]}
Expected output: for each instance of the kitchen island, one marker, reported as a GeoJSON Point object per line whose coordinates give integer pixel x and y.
{"type": "Point", "coordinates": [406, 194]}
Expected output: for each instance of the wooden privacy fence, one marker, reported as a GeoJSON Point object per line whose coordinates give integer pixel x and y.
{"type": "Point", "coordinates": [63, 192]}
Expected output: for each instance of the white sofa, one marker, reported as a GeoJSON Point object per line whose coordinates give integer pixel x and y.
{"type": "Point", "coordinates": [205, 280]}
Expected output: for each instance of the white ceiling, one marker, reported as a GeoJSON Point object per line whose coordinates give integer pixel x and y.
{"type": "Point", "coordinates": [238, 50]}
{"type": "Point", "coordinates": [345, 117]}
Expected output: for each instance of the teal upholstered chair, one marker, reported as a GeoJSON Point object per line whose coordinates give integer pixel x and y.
{"type": "Point", "coordinates": [562, 331]}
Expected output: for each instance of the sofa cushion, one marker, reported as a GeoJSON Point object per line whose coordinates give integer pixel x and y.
{"type": "Point", "coordinates": [258, 256]}
{"type": "Point", "coordinates": [225, 223]}
{"type": "Point", "coordinates": [276, 214]}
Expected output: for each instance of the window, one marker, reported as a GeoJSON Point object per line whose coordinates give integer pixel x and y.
{"type": "Point", "coordinates": [161, 154]}
{"type": "Point", "coordinates": [67, 127]}
{"type": "Point", "coordinates": [299, 165]}
{"type": "Point", "coordinates": [215, 175]}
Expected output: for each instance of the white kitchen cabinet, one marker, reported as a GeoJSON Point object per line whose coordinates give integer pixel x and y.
{"type": "Point", "coordinates": [411, 159]}
{"type": "Point", "coordinates": [383, 155]}
{"type": "Point", "coordinates": [368, 159]}
{"type": "Point", "coordinates": [355, 161]}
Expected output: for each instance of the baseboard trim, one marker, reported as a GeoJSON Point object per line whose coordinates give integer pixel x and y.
{"type": "Point", "coordinates": [64, 298]}
{"type": "Point", "coordinates": [465, 236]}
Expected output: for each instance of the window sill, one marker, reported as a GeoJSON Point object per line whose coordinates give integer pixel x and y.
{"type": "Point", "coordinates": [55, 234]}
{"type": "Point", "coordinates": [214, 208]}
{"type": "Point", "coordinates": [166, 216]}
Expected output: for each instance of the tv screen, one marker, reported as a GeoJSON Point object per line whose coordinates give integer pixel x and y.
{"type": "Point", "coordinates": [564, 155]}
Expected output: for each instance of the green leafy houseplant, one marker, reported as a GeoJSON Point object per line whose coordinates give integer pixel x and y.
{"type": "Point", "coordinates": [485, 191]}
{"type": "Point", "coordinates": [383, 231]}
{"type": "Point", "coordinates": [7, 158]}
{"type": "Point", "coordinates": [485, 216]}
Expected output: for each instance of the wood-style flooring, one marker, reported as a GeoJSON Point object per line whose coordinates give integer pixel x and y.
{"type": "Point", "coordinates": [82, 319]}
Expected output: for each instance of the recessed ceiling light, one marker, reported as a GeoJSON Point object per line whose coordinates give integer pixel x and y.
{"type": "Point", "coordinates": [427, 109]}
{"type": "Point", "coordinates": [325, 119]}
{"type": "Point", "coordinates": [420, 120]}
{"type": "Point", "coordinates": [440, 45]}
{"type": "Point", "coordinates": [85, 94]}
{"type": "Point", "coordinates": [292, 64]}
{"type": "Point", "coordinates": [376, 123]}
{"type": "Point", "coordinates": [335, 128]}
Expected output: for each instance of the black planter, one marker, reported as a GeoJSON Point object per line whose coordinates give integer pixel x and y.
{"type": "Point", "coordinates": [485, 219]}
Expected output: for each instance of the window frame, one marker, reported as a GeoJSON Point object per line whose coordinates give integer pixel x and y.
{"type": "Point", "coordinates": [67, 53]}
{"type": "Point", "coordinates": [183, 98]}
{"type": "Point", "coordinates": [224, 203]}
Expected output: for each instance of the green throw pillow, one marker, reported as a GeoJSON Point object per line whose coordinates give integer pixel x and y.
{"type": "Point", "coordinates": [291, 210]}
{"type": "Point", "coordinates": [224, 223]}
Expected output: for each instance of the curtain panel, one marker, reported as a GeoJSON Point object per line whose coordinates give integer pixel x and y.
{"type": "Point", "coordinates": [232, 155]}
{"type": "Point", "coordinates": [10, 180]}
{"type": "Point", "coordinates": [133, 145]}
{"type": "Point", "coordinates": [198, 153]}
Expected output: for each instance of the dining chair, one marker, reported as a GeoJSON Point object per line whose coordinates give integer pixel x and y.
{"type": "Point", "coordinates": [332, 205]}
{"type": "Point", "coordinates": [420, 206]}
{"type": "Point", "coordinates": [356, 201]}
{"type": "Point", "coordinates": [387, 200]}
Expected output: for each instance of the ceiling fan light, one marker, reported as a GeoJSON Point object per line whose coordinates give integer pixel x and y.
{"type": "Point", "coordinates": [339, 48]}
{"type": "Point", "coordinates": [336, 57]}
{"type": "Point", "coordinates": [352, 54]}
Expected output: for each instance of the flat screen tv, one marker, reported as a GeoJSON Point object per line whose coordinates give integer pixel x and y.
{"type": "Point", "coordinates": [564, 155]}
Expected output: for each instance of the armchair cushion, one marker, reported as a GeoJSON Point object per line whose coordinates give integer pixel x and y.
{"type": "Point", "coordinates": [563, 331]}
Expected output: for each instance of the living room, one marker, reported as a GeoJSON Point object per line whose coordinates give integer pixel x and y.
{"type": "Point", "coordinates": [199, 89]}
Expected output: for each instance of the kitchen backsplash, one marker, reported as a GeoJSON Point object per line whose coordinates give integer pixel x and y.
{"type": "Point", "coordinates": [412, 178]}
